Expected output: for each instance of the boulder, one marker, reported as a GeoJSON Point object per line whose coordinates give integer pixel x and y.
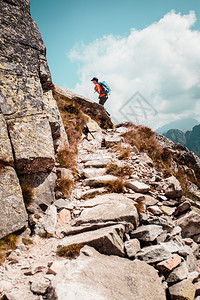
{"type": "Point", "coordinates": [93, 172]}
{"type": "Point", "coordinates": [97, 163]}
{"type": "Point", "coordinates": [47, 224]}
{"type": "Point", "coordinates": [138, 186]}
{"type": "Point", "coordinates": [32, 144]}
{"type": "Point", "coordinates": [56, 266]}
{"type": "Point", "coordinates": [183, 290]}
{"type": "Point", "coordinates": [13, 213]}
{"type": "Point", "coordinates": [190, 224]}
{"type": "Point", "coordinates": [173, 188]}
{"type": "Point", "coordinates": [153, 254]}
{"type": "Point", "coordinates": [147, 233]}
{"type": "Point", "coordinates": [169, 264]}
{"type": "Point", "coordinates": [96, 276]}
{"type": "Point", "coordinates": [65, 173]}
{"type": "Point", "coordinates": [179, 273]}
{"type": "Point", "coordinates": [155, 210]}
{"type": "Point", "coordinates": [39, 287]}
{"type": "Point", "coordinates": [107, 240]}
{"type": "Point", "coordinates": [132, 246]}
{"type": "Point", "coordinates": [111, 140]}
{"type": "Point", "coordinates": [182, 207]}
{"type": "Point", "coordinates": [64, 217]}
{"type": "Point", "coordinates": [42, 186]}
{"type": "Point", "coordinates": [167, 210]}
{"type": "Point", "coordinates": [108, 207]}
{"type": "Point", "coordinates": [100, 180]}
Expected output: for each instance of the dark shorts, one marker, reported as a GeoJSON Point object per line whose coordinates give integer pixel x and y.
{"type": "Point", "coordinates": [103, 99]}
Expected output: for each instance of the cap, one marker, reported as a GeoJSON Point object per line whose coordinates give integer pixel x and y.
{"type": "Point", "coordinates": [94, 78]}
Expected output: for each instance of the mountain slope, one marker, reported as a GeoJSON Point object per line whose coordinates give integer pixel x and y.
{"type": "Point", "coordinates": [183, 124]}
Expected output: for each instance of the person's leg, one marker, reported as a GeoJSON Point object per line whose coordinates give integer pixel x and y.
{"type": "Point", "coordinates": [103, 99]}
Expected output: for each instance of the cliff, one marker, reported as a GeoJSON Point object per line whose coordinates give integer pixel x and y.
{"type": "Point", "coordinates": [31, 126]}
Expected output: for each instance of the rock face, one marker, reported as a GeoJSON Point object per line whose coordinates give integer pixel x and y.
{"type": "Point", "coordinates": [13, 213]}
{"type": "Point", "coordinates": [96, 276]}
{"type": "Point", "coordinates": [31, 126]}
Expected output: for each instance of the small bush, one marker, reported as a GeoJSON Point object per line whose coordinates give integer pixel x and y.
{"type": "Point", "coordinates": [64, 186]}
{"type": "Point", "coordinates": [27, 192]}
{"type": "Point", "coordinates": [7, 243]}
{"type": "Point", "coordinates": [27, 241]}
{"type": "Point", "coordinates": [116, 186]}
{"type": "Point", "coordinates": [45, 235]}
{"type": "Point", "coordinates": [71, 251]}
{"type": "Point", "coordinates": [124, 155]}
{"type": "Point", "coordinates": [116, 170]}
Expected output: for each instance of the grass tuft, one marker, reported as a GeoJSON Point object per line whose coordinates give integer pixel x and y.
{"type": "Point", "coordinates": [27, 241]}
{"type": "Point", "coordinates": [116, 170]}
{"type": "Point", "coordinates": [7, 243]}
{"type": "Point", "coordinates": [116, 186]}
{"type": "Point", "coordinates": [64, 186]}
{"type": "Point", "coordinates": [71, 251]}
{"type": "Point", "coordinates": [45, 235]}
{"type": "Point", "coordinates": [27, 192]}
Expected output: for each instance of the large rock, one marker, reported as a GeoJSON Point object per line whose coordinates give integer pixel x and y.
{"type": "Point", "coordinates": [13, 215]}
{"type": "Point", "coordinates": [108, 207]}
{"type": "Point", "coordinates": [152, 254]}
{"type": "Point", "coordinates": [184, 290]}
{"type": "Point", "coordinates": [190, 224]}
{"type": "Point", "coordinates": [173, 188]}
{"type": "Point", "coordinates": [96, 276]}
{"type": "Point", "coordinates": [96, 111]}
{"type": "Point", "coordinates": [179, 273]}
{"type": "Point", "coordinates": [42, 185]}
{"type": "Point", "coordinates": [107, 240]}
{"type": "Point", "coordinates": [6, 155]}
{"type": "Point", "coordinates": [47, 223]}
{"type": "Point", "coordinates": [138, 186]}
{"type": "Point", "coordinates": [147, 233]}
{"type": "Point", "coordinates": [100, 180]}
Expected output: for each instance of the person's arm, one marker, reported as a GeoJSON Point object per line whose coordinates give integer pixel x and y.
{"type": "Point", "coordinates": [97, 89]}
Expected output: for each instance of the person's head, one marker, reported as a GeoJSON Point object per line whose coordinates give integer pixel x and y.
{"type": "Point", "coordinates": [95, 80]}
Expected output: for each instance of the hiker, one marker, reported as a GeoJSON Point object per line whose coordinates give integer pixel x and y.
{"type": "Point", "coordinates": [102, 89]}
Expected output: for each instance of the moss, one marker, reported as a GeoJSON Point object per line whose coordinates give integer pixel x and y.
{"type": "Point", "coordinates": [7, 243]}
{"type": "Point", "coordinates": [27, 192]}
{"type": "Point", "coordinates": [71, 251]}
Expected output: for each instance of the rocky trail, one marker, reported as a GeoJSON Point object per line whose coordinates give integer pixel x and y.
{"type": "Point", "coordinates": [117, 242]}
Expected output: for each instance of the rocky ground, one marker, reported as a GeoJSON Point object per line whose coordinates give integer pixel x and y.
{"type": "Point", "coordinates": [140, 243]}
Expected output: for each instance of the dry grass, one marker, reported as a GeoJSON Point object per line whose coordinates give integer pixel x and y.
{"type": "Point", "coordinates": [27, 192]}
{"type": "Point", "coordinates": [27, 241]}
{"type": "Point", "coordinates": [67, 159]}
{"type": "Point", "coordinates": [7, 243]}
{"type": "Point", "coordinates": [116, 170]}
{"type": "Point", "coordinates": [116, 186]}
{"type": "Point", "coordinates": [125, 154]}
{"type": "Point", "coordinates": [73, 119]}
{"type": "Point", "coordinates": [71, 251]}
{"type": "Point", "coordinates": [90, 196]}
{"type": "Point", "coordinates": [64, 186]}
{"type": "Point", "coordinates": [45, 235]}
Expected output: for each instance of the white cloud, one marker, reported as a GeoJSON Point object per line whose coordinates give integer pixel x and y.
{"type": "Point", "coordinates": [162, 62]}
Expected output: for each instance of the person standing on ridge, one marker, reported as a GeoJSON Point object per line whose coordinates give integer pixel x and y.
{"type": "Point", "coordinates": [102, 89]}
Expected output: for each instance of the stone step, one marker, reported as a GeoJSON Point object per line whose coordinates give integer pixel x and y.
{"type": "Point", "coordinates": [100, 180]}
{"type": "Point", "coordinates": [93, 172]}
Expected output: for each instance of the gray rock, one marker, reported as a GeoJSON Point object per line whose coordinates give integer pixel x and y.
{"type": "Point", "coordinates": [39, 286]}
{"type": "Point", "coordinates": [132, 246]}
{"type": "Point", "coordinates": [155, 210]}
{"type": "Point", "coordinates": [173, 189]}
{"type": "Point", "coordinates": [108, 207]}
{"type": "Point", "coordinates": [13, 213]}
{"type": "Point", "coordinates": [48, 222]}
{"type": "Point", "coordinates": [97, 163]}
{"type": "Point", "coordinates": [152, 254]}
{"type": "Point", "coordinates": [183, 290]}
{"type": "Point", "coordinates": [179, 273]}
{"type": "Point", "coordinates": [100, 180]}
{"type": "Point", "coordinates": [107, 240]}
{"type": "Point", "coordinates": [147, 233]}
{"type": "Point", "coordinates": [61, 203]}
{"type": "Point", "coordinates": [96, 276]}
{"type": "Point", "coordinates": [182, 207]}
{"type": "Point", "coordinates": [138, 186]}
{"type": "Point", "coordinates": [111, 140]}
{"type": "Point", "coordinates": [93, 172]}
{"type": "Point", "coordinates": [190, 224]}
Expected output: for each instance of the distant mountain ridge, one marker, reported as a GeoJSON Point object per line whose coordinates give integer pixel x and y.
{"type": "Point", "coordinates": [183, 124]}
{"type": "Point", "coordinates": [190, 139]}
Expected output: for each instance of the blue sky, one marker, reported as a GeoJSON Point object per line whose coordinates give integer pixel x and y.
{"type": "Point", "coordinates": [65, 23]}
{"type": "Point", "coordinates": [150, 47]}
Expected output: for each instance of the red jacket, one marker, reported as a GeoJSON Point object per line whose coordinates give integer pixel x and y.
{"type": "Point", "coordinates": [99, 90]}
